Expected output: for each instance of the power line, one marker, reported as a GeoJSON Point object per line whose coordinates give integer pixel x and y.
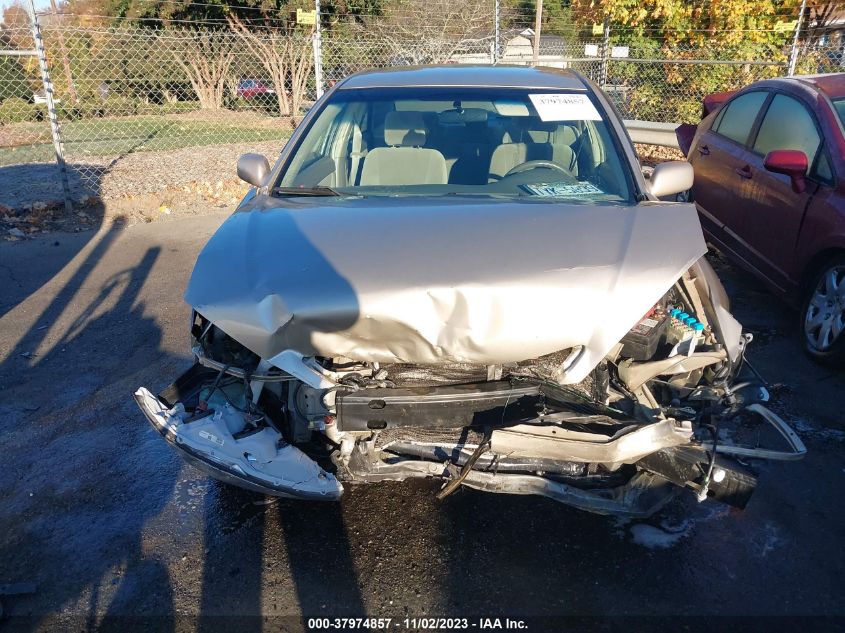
{"type": "Point", "coordinates": [118, 18]}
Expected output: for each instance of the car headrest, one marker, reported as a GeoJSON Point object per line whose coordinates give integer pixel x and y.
{"type": "Point", "coordinates": [404, 129]}
{"type": "Point", "coordinates": [565, 135]}
{"type": "Point", "coordinates": [538, 136]}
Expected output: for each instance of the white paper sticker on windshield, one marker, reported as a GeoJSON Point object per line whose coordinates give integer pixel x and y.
{"type": "Point", "coordinates": [563, 190]}
{"type": "Point", "coordinates": [511, 108]}
{"type": "Point", "coordinates": [565, 107]}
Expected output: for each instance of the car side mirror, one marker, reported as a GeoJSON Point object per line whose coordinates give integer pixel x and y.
{"type": "Point", "coordinates": [670, 178]}
{"type": "Point", "coordinates": [685, 133]}
{"type": "Point", "coordinates": [253, 168]}
{"type": "Point", "coordinates": [791, 162]}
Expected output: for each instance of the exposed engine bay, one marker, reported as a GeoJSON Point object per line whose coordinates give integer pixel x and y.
{"type": "Point", "coordinates": [674, 405]}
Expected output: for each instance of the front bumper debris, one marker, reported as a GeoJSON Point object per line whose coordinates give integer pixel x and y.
{"type": "Point", "coordinates": [641, 497]}
{"type": "Point", "coordinates": [260, 461]}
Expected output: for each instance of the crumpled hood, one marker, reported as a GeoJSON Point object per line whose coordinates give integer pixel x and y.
{"type": "Point", "coordinates": [440, 280]}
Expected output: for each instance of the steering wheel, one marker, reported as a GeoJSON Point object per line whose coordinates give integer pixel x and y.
{"type": "Point", "coordinates": [533, 164]}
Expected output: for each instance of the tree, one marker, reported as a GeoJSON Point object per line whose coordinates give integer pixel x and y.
{"type": "Point", "coordinates": [557, 15]}
{"type": "Point", "coordinates": [816, 25]}
{"type": "Point", "coordinates": [286, 55]}
{"type": "Point", "coordinates": [214, 13]}
{"type": "Point", "coordinates": [689, 31]}
{"type": "Point", "coordinates": [16, 23]}
{"type": "Point", "coordinates": [19, 76]}
{"type": "Point", "coordinates": [733, 22]}
{"type": "Point", "coordinates": [432, 31]}
{"type": "Point", "coordinates": [206, 57]}
{"type": "Point", "coordinates": [14, 80]}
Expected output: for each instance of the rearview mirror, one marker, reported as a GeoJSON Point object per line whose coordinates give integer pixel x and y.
{"type": "Point", "coordinates": [670, 178]}
{"type": "Point", "coordinates": [253, 168]}
{"type": "Point", "coordinates": [791, 162]}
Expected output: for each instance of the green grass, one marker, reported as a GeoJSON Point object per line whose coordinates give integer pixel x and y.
{"type": "Point", "coordinates": [121, 136]}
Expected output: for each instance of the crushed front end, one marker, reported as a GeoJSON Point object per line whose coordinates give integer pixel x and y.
{"type": "Point", "coordinates": [668, 408]}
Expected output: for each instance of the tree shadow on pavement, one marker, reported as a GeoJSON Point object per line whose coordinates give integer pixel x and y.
{"type": "Point", "coordinates": [53, 251]}
{"type": "Point", "coordinates": [82, 475]}
{"type": "Point", "coordinates": [248, 537]}
{"type": "Point", "coordinates": [510, 556]}
{"type": "Point", "coordinates": [232, 567]}
{"type": "Point", "coordinates": [320, 559]}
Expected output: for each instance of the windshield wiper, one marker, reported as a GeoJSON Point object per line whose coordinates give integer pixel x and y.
{"type": "Point", "coordinates": [304, 191]}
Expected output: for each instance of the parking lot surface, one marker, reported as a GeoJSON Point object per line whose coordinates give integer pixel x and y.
{"type": "Point", "coordinates": [106, 520]}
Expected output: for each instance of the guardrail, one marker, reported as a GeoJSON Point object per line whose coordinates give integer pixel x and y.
{"type": "Point", "coordinates": [652, 132]}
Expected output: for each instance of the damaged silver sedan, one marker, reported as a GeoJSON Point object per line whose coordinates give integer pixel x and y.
{"type": "Point", "coordinates": [461, 273]}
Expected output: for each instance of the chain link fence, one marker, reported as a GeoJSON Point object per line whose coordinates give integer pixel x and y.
{"type": "Point", "coordinates": [181, 103]}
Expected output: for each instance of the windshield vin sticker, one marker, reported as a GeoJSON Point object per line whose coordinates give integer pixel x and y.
{"type": "Point", "coordinates": [560, 189]}
{"type": "Point", "coordinates": [565, 107]}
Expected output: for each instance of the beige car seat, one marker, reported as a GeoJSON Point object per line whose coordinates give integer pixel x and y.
{"type": "Point", "coordinates": [505, 157]}
{"type": "Point", "coordinates": [563, 138]}
{"type": "Point", "coordinates": [404, 161]}
{"type": "Point", "coordinates": [555, 145]}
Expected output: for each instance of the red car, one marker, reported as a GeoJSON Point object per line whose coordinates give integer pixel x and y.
{"type": "Point", "coordinates": [769, 166]}
{"type": "Point", "coordinates": [251, 88]}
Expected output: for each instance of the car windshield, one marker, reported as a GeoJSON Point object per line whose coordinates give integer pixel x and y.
{"type": "Point", "coordinates": [460, 141]}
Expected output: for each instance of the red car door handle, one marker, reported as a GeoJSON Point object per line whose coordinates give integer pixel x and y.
{"type": "Point", "coordinates": [745, 172]}
{"type": "Point", "coordinates": [704, 150]}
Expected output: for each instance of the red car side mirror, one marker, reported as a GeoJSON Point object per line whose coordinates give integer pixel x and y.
{"type": "Point", "coordinates": [685, 133]}
{"type": "Point", "coordinates": [790, 162]}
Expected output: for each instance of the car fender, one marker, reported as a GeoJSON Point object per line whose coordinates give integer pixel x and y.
{"type": "Point", "coordinates": [818, 253]}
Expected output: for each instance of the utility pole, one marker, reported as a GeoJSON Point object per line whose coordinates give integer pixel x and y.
{"type": "Point", "coordinates": [65, 61]}
{"type": "Point", "coordinates": [318, 50]}
{"type": "Point", "coordinates": [793, 53]}
{"type": "Point", "coordinates": [605, 53]}
{"type": "Point", "coordinates": [496, 34]}
{"type": "Point", "coordinates": [58, 145]}
{"type": "Point", "coordinates": [538, 19]}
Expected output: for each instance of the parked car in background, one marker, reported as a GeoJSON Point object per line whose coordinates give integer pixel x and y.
{"type": "Point", "coordinates": [251, 88]}
{"type": "Point", "coordinates": [769, 186]}
{"type": "Point", "coordinates": [461, 273]}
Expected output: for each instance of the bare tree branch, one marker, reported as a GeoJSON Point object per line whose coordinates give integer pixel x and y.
{"type": "Point", "coordinates": [433, 31]}
{"type": "Point", "coordinates": [205, 59]}
{"type": "Point", "coordinates": [286, 56]}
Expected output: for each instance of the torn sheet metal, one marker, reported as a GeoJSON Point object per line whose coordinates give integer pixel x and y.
{"type": "Point", "coordinates": [642, 496]}
{"type": "Point", "coordinates": [635, 375]}
{"type": "Point", "coordinates": [558, 443]}
{"type": "Point", "coordinates": [716, 304]}
{"type": "Point", "coordinates": [796, 448]}
{"type": "Point", "coordinates": [430, 282]}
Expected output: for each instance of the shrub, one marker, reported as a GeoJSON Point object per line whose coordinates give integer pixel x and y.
{"type": "Point", "coordinates": [17, 110]}
{"type": "Point", "coordinates": [168, 108]}
{"type": "Point", "coordinates": [179, 106]}
{"type": "Point", "coordinates": [15, 82]}
{"type": "Point", "coordinates": [118, 105]}
{"type": "Point", "coordinates": [262, 104]}
{"type": "Point", "coordinates": [68, 111]}
{"type": "Point", "coordinates": [90, 109]}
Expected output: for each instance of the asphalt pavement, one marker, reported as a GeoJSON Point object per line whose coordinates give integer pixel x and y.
{"type": "Point", "coordinates": [105, 520]}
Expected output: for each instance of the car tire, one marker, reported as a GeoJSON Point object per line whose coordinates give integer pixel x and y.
{"type": "Point", "coordinates": [822, 322]}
